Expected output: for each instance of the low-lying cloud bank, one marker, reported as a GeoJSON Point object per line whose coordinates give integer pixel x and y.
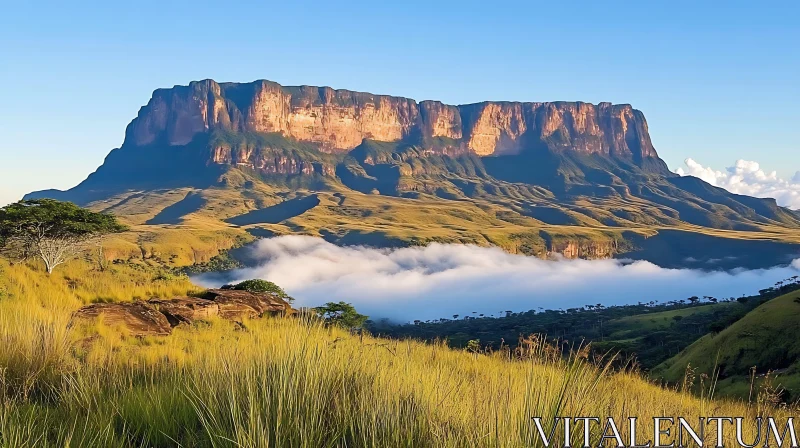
{"type": "Point", "coordinates": [441, 280]}
{"type": "Point", "coordinates": [747, 177]}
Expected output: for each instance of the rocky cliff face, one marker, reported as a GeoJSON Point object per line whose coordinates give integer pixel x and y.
{"type": "Point", "coordinates": [339, 120]}
{"type": "Point", "coordinates": [268, 161]}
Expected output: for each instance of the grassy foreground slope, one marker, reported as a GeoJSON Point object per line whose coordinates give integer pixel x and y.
{"type": "Point", "coordinates": [764, 339]}
{"type": "Point", "coordinates": [281, 382]}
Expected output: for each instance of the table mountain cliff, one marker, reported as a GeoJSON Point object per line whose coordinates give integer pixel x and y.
{"type": "Point", "coordinates": [339, 120]}
{"type": "Point", "coordinates": [574, 178]}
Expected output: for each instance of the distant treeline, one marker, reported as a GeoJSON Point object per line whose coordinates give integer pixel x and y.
{"type": "Point", "coordinates": [650, 332]}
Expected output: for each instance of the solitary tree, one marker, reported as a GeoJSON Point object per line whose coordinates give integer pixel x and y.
{"type": "Point", "coordinates": [51, 230]}
{"type": "Point", "coordinates": [342, 314]}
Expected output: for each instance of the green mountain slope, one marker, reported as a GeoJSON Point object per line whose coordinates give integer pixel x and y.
{"type": "Point", "coordinates": [765, 338]}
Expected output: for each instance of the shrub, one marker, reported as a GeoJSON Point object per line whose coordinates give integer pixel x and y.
{"type": "Point", "coordinates": [258, 285]}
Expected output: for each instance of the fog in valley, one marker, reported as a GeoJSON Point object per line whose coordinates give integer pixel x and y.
{"type": "Point", "coordinates": [440, 280]}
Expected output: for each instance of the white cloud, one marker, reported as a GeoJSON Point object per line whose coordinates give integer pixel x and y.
{"type": "Point", "coordinates": [747, 177]}
{"type": "Point", "coordinates": [441, 280]}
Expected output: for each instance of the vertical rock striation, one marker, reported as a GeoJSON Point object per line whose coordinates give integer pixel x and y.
{"type": "Point", "coordinates": [339, 120]}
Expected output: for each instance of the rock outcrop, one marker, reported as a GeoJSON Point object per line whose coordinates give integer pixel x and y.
{"type": "Point", "coordinates": [339, 120]}
{"type": "Point", "coordinates": [185, 310]}
{"type": "Point", "coordinates": [137, 318]}
{"type": "Point", "coordinates": [157, 317]}
{"type": "Point", "coordinates": [234, 304]}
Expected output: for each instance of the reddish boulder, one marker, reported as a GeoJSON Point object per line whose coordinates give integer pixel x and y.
{"type": "Point", "coordinates": [185, 310]}
{"type": "Point", "coordinates": [158, 316]}
{"type": "Point", "coordinates": [137, 318]}
{"type": "Point", "coordinates": [235, 304]}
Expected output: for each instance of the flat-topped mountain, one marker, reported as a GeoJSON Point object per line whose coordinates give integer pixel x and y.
{"type": "Point", "coordinates": [339, 120]}
{"type": "Point", "coordinates": [573, 178]}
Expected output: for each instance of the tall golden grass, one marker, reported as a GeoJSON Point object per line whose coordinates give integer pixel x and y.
{"type": "Point", "coordinates": [284, 382]}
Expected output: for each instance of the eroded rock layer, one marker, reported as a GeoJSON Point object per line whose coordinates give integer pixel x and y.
{"type": "Point", "coordinates": [339, 120]}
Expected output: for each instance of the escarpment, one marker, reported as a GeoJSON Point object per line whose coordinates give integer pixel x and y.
{"type": "Point", "coordinates": [339, 120]}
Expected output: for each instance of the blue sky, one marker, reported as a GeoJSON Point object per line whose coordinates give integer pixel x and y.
{"type": "Point", "coordinates": [717, 81]}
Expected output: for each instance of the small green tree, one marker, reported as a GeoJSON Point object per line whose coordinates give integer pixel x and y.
{"type": "Point", "coordinates": [342, 314]}
{"type": "Point", "coordinates": [258, 285]}
{"type": "Point", "coordinates": [51, 230]}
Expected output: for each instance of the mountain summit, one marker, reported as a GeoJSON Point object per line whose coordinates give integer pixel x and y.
{"type": "Point", "coordinates": [340, 120]}
{"type": "Point", "coordinates": [567, 177]}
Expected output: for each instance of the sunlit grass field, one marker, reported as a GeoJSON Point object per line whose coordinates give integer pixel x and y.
{"type": "Point", "coordinates": [284, 382]}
